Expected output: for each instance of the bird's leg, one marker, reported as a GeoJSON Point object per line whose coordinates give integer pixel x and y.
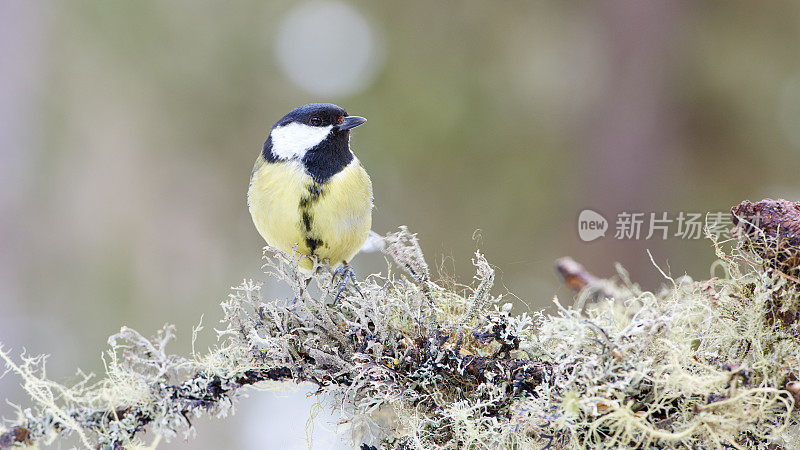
{"type": "Point", "coordinates": [346, 273]}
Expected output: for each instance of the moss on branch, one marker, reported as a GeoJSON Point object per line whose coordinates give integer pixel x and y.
{"type": "Point", "coordinates": [417, 364]}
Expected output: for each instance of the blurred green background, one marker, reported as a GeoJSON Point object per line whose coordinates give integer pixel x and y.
{"type": "Point", "coordinates": [128, 131]}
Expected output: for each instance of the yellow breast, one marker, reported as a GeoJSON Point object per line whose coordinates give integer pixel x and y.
{"type": "Point", "coordinates": [329, 220]}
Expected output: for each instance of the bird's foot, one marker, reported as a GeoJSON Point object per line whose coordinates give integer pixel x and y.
{"type": "Point", "coordinates": [345, 272]}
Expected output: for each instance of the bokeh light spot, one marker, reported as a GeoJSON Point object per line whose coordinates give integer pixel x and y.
{"type": "Point", "coordinates": [328, 48]}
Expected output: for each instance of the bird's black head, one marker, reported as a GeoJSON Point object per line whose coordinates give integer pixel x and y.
{"type": "Point", "coordinates": [314, 114]}
{"type": "Point", "coordinates": [318, 134]}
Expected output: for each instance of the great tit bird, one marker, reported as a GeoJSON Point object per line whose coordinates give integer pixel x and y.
{"type": "Point", "coordinates": [309, 191]}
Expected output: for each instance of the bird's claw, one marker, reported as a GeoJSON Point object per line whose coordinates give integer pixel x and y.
{"type": "Point", "coordinates": [346, 273]}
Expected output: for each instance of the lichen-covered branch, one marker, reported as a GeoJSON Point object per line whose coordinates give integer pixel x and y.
{"type": "Point", "coordinates": [772, 230]}
{"type": "Point", "coordinates": [414, 364]}
{"type": "Point", "coordinates": [396, 344]}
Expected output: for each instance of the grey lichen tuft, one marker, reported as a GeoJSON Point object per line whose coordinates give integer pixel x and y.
{"type": "Point", "coordinates": [412, 363]}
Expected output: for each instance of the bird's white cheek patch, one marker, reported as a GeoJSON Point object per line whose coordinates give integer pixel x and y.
{"type": "Point", "coordinates": [293, 140]}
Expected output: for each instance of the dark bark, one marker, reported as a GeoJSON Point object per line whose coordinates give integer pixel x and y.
{"type": "Point", "coordinates": [772, 229]}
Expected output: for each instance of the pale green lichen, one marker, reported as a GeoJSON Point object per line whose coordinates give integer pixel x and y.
{"type": "Point", "coordinates": [420, 364]}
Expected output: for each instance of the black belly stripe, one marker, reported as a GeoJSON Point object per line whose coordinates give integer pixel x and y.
{"type": "Point", "coordinates": [315, 192]}
{"type": "Point", "coordinates": [313, 244]}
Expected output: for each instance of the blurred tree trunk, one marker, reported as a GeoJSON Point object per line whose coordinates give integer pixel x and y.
{"type": "Point", "coordinates": [633, 138]}
{"type": "Point", "coordinates": [23, 28]}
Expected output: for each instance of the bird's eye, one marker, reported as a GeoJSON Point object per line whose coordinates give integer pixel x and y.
{"type": "Point", "coordinates": [315, 121]}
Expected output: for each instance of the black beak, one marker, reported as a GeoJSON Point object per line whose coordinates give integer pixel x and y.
{"type": "Point", "coordinates": [350, 122]}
